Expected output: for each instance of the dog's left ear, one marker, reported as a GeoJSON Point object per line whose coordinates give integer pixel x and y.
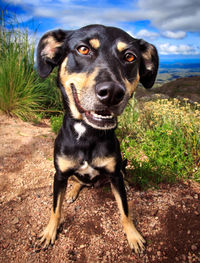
{"type": "Point", "coordinates": [149, 64]}
{"type": "Point", "coordinates": [50, 51]}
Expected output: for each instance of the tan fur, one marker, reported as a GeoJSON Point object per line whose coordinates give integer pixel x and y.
{"type": "Point", "coordinates": [121, 46]}
{"type": "Point", "coordinates": [148, 53]}
{"type": "Point", "coordinates": [72, 195]}
{"type": "Point", "coordinates": [105, 162]}
{"type": "Point", "coordinates": [131, 86]}
{"type": "Point", "coordinates": [148, 57]}
{"type": "Point", "coordinates": [135, 240]}
{"type": "Point", "coordinates": [65, 163]}
{"type": "Point", "coordinates": [50, 47]}
{"type": "Point", "coordinates": [95, 43]}
{"type": "Point", "coordinates": [49, 233]}
{"type": "Point", "coordinates": [81, 81]}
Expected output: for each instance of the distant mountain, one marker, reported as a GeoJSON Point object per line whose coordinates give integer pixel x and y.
{"type": "Point", "coordinates": [180, 88]}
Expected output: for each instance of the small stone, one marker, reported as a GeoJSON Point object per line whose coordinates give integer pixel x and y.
{"type": "Point", "coordinates": [188, 232]}
{"type": "Point", "coordinates": [158, 253]}
{"type": "Point", "coordinates": [196, 196]}
{"type": "Point", "coordinates": [82, 246]}
{"type": "Point", "coordinates": [5, 245]}
{"type": "Point", "coordinates": [184, 257]}
{"type": "Point", "coordinates": [149, 249]}
{"type": "Point", "coordinates": [15, 220]}
{"type": "Point", "coordinates": [194, 247]}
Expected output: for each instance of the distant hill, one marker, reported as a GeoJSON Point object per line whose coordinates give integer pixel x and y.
{"type": "Point", "coordinates": [180, 88]}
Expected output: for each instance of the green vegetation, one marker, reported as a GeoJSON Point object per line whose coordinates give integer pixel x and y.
{"type": "Point", "coordinates": [56, 122]}
{"type": "Point", "coordinates": [22, 92]}
{"type": "Point", "coordinates": [161, 141]}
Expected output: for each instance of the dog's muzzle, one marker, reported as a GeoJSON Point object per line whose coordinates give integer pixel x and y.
{"type": "Point", "coordinates": [99, 119]}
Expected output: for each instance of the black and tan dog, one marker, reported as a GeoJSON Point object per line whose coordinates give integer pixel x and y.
{"type": "Point", "coordinates": [99, 69]}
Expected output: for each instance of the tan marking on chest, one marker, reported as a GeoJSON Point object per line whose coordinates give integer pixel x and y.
{"type": "Point", "coordinates": [108, 163]}
{"type": "Point", "coordinates": [65, 163]}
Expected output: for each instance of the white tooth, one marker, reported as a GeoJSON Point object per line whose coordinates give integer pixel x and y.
{"type": "Point", "coordinates": [101, 116]}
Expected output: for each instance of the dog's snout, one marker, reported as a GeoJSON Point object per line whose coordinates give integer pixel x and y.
{"type": "Point", "coordinates": [110, 93]}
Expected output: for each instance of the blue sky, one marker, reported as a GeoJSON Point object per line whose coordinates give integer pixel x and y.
{"type": "Point", "coordinates": [173, 26]}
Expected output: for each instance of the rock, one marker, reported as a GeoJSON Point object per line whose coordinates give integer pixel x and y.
{"type": "Point", "coordinates": [82, 246]}
{"type": "Point", "coordinates": [158, 253]}
{"type": "Point", "coordinates": [184, 257]}
{"type": "Point", "coordinates": [15, 220]}
{"type": "Point", "coordinates": [194, 247]}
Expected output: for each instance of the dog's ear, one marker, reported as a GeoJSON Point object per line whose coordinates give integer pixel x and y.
{"type": "Point", "coordinates": [149, 64]}
{"type": "Point", "coordinates": [50, 51]}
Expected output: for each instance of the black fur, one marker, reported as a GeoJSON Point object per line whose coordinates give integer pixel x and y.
{"type": "Point", "coordinates": [98, 139]}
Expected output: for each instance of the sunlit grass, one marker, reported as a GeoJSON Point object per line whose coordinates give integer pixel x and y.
{"type": "Point", "coordinates": [22, 92]}
{"type": "Point", "coordinates": [161, 140]}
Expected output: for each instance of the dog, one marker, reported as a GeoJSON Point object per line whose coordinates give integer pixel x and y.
{"type": "Point", "coordinates": [99, 68]}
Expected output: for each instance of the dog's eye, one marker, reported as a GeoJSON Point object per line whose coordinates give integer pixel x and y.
{"type": "Point", "coordinates": [129, 57]}
{"type": "Point", "coordinates": [83, 50]}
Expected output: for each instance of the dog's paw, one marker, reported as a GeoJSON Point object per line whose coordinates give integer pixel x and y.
{"type": "Point", "coordinates": [136, 241]}
{"type": "Point", "coordinates": [73, 193]}
{"type": "Point", "coordinates": [71, 196]}
{"type": "Point", "coordinates": [48, 235]}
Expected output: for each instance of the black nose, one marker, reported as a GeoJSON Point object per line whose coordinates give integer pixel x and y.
{"type": "Point", "coordinates": [110, 93]}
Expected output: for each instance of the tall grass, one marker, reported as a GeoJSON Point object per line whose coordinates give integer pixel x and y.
{"type": "Point", "coordinates": [22, 93]}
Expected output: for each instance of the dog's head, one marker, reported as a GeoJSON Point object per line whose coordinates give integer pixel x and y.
{"type": "Point", "coordinates": [99, 69]}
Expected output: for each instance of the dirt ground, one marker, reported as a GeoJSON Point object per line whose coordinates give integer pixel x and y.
{"type": "Point", "coordinates": [168, 218]}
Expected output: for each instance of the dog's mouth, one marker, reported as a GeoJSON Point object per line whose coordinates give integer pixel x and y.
{"type": "Point", "coordinates": [100, 119]}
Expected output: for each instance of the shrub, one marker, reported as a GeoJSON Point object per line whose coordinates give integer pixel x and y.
{"type": "Point", "coordinates": [161, 141]}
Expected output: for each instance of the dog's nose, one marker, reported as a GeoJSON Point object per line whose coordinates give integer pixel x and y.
{"type": "Point", "coordinates": [110, 93]}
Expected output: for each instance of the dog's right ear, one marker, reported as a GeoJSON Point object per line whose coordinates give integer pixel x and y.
{"type": "Point", "coordinates": [50, 51]}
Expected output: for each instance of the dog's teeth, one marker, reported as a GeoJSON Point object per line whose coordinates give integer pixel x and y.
{"type": "Point", "coordinates": [101, 116]}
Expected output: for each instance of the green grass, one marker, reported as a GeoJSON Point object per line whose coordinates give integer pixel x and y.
{"type": "Point", "coordinates": [56, 122]}
{"type": "Point", "coordinates": [22, 92]}
{"type": "Point", "coordinates": [161, 142]}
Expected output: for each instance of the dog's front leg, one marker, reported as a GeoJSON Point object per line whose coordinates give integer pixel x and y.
{"type": "Point", "coordinates": [49, 233]}
{"type": "Point", "coordinates": [136, 241]}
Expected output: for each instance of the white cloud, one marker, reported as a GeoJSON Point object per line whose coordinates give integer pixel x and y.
{"type": "Point", "coordinates": [174, 35]}
{"type": "Point", "coordinates": [144, 33]}
{"type": "Point", "coordinates": [167, 49]}
{"type": "Point", "coordinates": [172, 15]}
{"type": "Point", "coordinates": [168, 16]}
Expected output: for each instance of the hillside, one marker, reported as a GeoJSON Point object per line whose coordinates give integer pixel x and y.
{"type": "Point", "coordinates": [180, 88]}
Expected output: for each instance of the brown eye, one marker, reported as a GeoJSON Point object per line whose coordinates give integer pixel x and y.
{"type": "Point", "coordinates": [129, 57]}
{"type": "Point", "coordinates": [83, 50]}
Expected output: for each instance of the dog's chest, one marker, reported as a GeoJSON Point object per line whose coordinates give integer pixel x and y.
{"type": "Point", "coordinates": [86, 170]}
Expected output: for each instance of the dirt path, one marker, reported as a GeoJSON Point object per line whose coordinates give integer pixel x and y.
{"type": "Point", "coordinates": [168, 218]}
